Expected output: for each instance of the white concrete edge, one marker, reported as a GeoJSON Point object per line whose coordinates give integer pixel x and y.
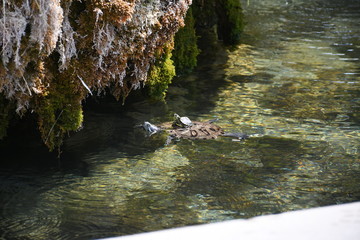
{"type": "Point", "coordinates": [337, 222]}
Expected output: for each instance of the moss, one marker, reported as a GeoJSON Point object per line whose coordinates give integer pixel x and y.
{"type": "Point", "coordinates": [204, 13]}
{"type": "Point", "coordinates": [60, 111]}
{"type": "Point", "coordinates": [230, 24]}
{"type": "Point", "coordinates": [186, 49]}
{"type": "Point", "coordinates": [161, 74]}
{"type": "Point", "coordinates": [225, 16]}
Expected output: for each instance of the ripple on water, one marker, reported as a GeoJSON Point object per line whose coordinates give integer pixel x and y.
{"type": "Point", "coordinates": [295, 81]}
{"type": "Point", "coordinates": [26, 217]}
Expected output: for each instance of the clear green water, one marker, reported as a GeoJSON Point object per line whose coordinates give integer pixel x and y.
{"type": "Point", "coordinates": [295, 80]}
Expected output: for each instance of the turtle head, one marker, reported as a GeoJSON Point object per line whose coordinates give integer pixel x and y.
{"type": "Point", "coordinates": [150, 128]}
{"type": "Point", "coordinates": [177, 120]}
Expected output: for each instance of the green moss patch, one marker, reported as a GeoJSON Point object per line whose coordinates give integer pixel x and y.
{"type": "Point", "coordinates": [160, 75]}
{"type": "Point", "coordinates": [186, 49]}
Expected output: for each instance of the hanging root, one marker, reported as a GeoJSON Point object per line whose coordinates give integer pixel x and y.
{"type": "Point", "coordinates": [52, 127]}
{"type": "Point", "coordinates": [84, 84]}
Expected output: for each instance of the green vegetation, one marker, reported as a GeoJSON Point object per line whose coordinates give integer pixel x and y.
{"type": "Point", "coordinates": [60, 111]}
{"type": "Point", "coordinates": [161, 74]}
{"type": "Point", "coordinates": [225, 15]}
{"type": "Point", "coordinates": [186, 49]}
{"type": "Point", "coordinates": [230, 20]}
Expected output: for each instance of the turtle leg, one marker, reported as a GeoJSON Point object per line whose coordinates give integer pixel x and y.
{"type": "Point", "coordinates": [168, 140]}
{"type": "Point", "coordinates": [171, 138]}
{"type": "Point", "coordinates": [151, 133]}
{"type": "Point", "coordinates": [213, 120]}
{"type": "Point", "coordinates": [237, 136]}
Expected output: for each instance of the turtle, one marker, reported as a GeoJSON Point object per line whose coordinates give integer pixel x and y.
{"type": "Point", "coordinates": [181, 121]}
{"type": "Point", "coordinates": [195, 130]}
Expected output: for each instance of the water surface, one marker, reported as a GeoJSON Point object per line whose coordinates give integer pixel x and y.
{"type": "Point", "coordinates": [294, 80]}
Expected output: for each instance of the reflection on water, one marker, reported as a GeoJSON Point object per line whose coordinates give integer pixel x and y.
{"type": "Point", "coordinates": [295, 79]}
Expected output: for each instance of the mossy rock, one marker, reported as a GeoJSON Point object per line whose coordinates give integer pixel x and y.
{"type": "Point", "coordinates": [226, 16]}
{"type": "Point", "coordinates": [186, 50]}
{"type": "Point", "coordinates": [161, 74]}
{"type": "Point", "coordinates": [230, 23]}
{"type": "Point", "coordinates": [60, 111]}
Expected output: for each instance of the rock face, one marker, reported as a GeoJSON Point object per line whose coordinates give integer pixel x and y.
{"type": "Point", "coordinates": [56, 52]}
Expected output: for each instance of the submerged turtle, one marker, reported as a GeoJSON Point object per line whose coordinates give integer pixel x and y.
{"type": "Point", "coordinates": [188, 129]}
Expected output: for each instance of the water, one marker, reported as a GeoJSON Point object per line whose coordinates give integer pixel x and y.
{"type": "Point", "coordinates": [294, 79]}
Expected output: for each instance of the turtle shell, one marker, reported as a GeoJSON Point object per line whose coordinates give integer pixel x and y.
{"type": "Point", "coordinates": [186, 121]}
{"type": "Point", "coordinates": [182, 121]}
{"type": "Point", "coordinates": [199, 130]}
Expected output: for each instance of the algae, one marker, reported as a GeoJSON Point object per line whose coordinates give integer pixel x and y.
{"type": "Point", "coordinates": [230, 20]}
{"type": "Point", "coordinates": [161, 74]}
{"type": "Point", "coordinates": [186, 49]}
{"type": "Point", "coordinates": [223, 17]}
{"type": "Point", "coordinates": [60, 111]}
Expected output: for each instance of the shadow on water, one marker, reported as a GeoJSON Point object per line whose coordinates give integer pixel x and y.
{"type": "Point", "coordinates": [47, 185]}
{"type": "Point", "coordinates": [23, 151]}
{"type": "Point", "coordinates": [237, 163]}
{"type": "Point", "coordinates": [109, 128]}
